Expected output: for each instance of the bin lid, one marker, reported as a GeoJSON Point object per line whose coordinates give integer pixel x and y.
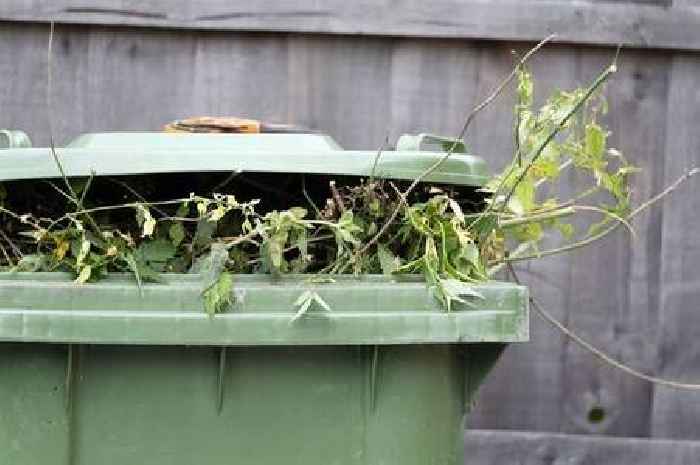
{"type": "Point", "coordinates": [135, 153]}
{"type": "Point", "coordinates": [367, 310]}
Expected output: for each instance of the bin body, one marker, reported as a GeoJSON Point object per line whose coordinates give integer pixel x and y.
{"type": "Point", "coordinates": [110, 373]}
{"type": "Point", "coordinates": [292, 405]}
{"type": "Point", "coordinates": [103, 374]}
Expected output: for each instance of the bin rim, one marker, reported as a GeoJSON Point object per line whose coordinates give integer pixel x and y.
{"type": "Point", "coordinates": [369, 310]}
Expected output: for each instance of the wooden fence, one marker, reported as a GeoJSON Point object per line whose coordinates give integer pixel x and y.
{"type": "Point", "coordinates": [366, 69]}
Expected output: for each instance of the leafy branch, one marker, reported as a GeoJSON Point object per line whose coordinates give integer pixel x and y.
{"type": "Point", "coordinates": [443, 233]}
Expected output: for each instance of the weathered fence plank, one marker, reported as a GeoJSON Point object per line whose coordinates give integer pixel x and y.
{"type": "Point", "coordinates": [520, 448]}
{"type": "Point", "coordinates": [677, 414]}
{"type": "Point", "coordinates": [607, 305]}
{"type": "Point", "coordinates": [342, 86]}
{"type": "Point", "coordinates": [653, 23]}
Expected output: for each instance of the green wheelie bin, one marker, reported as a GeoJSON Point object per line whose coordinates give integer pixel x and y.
{"type": "Point", "coordinates": [106, 373]}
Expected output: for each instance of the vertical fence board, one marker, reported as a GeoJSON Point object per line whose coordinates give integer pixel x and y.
{"type": "Point", "coordinates": [342, 87]}
{"type": "Point", "coordinates": [676, 414]}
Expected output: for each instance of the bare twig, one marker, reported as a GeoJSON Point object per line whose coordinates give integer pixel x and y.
{"type": "Point", "coordinates": [16, 250]}
{"type": "Point", "coordinates": [609, 214]}
{"type": "Point", "coordinates": [27, 219]}
{"type": "Point", "coordinates": [60, 191]}
{"type": "Point", "coordinates": [518, 121]}
{"type": "Point", "coordinates": [6, 255]}
{"type": "Point", "coordinates": [12, 245]}
{"type": "Point", "coordinates": [136, 194]}
{"type": "Point", "coordinates": [536, 218]}
{"type": "Point", "coordinates": [86, 188]}
{"type": "Point", "coordinates": [496, 92]}
{"type": "Point", "coordinates": [602, 356]}
{"type": "Point", "coordinates": [377, 157]}
{"type": "Point", "coordinates": [337, 198]}
{"type": "Point", "coordinates": [308, 197]}
{"type": "Point", "coordinates": [225, 182]}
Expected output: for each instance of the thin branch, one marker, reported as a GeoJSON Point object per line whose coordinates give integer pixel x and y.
{"type": "Point", "coordinates": [536, 218]}
{"type": "Point", "coordinates": [518, 121]}
{"type": "Point", "coordinates": [591, 239]}
{"type": "Point", "coordinates": [609, 214]}
{"type": "Point", "coordinates": [6, 255]}
{"type": "Point", "coordinates": [377, 157]}
{"type": "Point", "coordinates": [136, 194]}
{"type": "Point", "coordinates": [336, 197]}
{"type": "Point", "coordinates": [61, 191]}
{"type": "Point", "coordinates": [12, 245]}
{"type": "Point", "coordinates": [308, 197]}
{"type": "Point", "coordinates": [26, 219]}
{"type": "Point", "coordinates": [225, 182]}
{"type": "Point", "coordinates": [602, 356]}
{"type": "Point", "coordinates": [86, 188]}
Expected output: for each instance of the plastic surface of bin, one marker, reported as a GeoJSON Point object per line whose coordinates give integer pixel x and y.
{"type": "Point", "coordinates": [112, 154]}
{"type": "Point", "coordinates": [107, 374]}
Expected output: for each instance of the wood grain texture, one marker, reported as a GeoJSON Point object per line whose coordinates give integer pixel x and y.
{"type": "Point", "coordinates": [624, 296]}
{"type": "Point", "coordinates": [677, 414]}
{"type": "Point", "coordinates": [521, 448]}
{"type": "Point", "coordinates": [612, 289]}
{"type": "Point", "coordinates": [504, 403]}
{"type": "Point", "coordinates": [641, 23]}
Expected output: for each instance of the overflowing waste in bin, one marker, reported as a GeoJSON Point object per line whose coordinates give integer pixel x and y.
{"type": "Point", "coordinates": [241, 323]}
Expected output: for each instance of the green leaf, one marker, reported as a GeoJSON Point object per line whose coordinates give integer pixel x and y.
{"type": "Point", "coordinates": [84, 274]}
{"type": "Point", "coordinates": [176, 233]}
{"type": "Point", "coordinates": [454, 146]}
{"type": "Point", "coordinates": [456, 209]}
{"type": "Point", "coordinates": [305, 303]}
{"type": "Point", "coordinates": [453, 290]}
{"type": "Point", "coordinates": [133, 266]}
{"type": "Point", "coordinates": [219, 296]}
{"type": "Point", "coordinates": [595, 141]}
{"type": "Point", "coordinates": [213, 264]}
{"type": "Point", "coordinates": [141, 270]}
{"type": "Point", "coordinates": [525, 88]}
{"type": "Point", "coordinates": [566, 229]}
{"type": "Point", "coordinates": [275, 247]}
{"type": "Point", "coordinates": [389, 262]}
{"type": "Point", "coordinates": [466, 257]}
{"type": "Point", "coordinates": [157, 250]}
{"type": "Point", "coordinates": [321, 303]}
{"type": "Point", "coordinates": [204, 233]}
{"type": "Point", "coordinates": [525, 194]}
{"type": "Point", "coordinates": [298, 212]}
{"type": "Point", "coordinates": [145, 220]}
{"type": "Point", "coordinates": [81, 250]}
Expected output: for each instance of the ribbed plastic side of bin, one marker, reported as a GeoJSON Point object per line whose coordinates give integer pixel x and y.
{"type": "Point", "coordinates": [103, 374]}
